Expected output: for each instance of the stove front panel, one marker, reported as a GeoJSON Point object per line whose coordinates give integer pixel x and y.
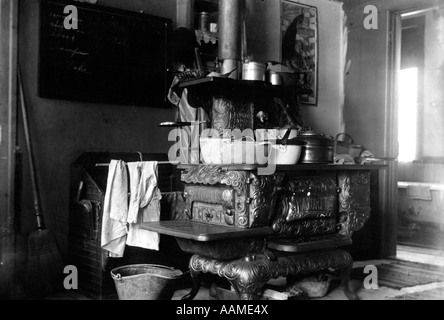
{"type": "Point", "coordinates": [307, 206]}
{"type": "Point", "coordinates": [238, 199]}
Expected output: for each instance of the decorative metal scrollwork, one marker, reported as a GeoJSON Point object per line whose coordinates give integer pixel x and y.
{"type": "Point", "coordinates": [354, 201]}
{"type": "Point", "coordinates": [303, 228]}
{"type": "Point", "coordinates": [213, 175]}
{"type": "Point", "coordinates": [264, 191]}
{"type": "Point", "coordinates": [254, 196]}
{"type": "Point", "coordinates": [249, 275]}
{"type": "Point", "coordinates": [307, 207]}
{"type": "Point", "coordinates": [308, 198]}
{"type": "Point", "coordinates": [232, 114]}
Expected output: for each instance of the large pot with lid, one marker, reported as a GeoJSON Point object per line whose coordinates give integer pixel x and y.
{"type": "Point", "coordinates": [318, 148]}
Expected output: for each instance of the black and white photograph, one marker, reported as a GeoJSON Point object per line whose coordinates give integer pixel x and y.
{"type": "Point", "coordinates": [221, 157]}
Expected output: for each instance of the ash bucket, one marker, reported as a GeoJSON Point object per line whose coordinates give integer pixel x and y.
{"type": "Point", "coordinates": [145, 282]}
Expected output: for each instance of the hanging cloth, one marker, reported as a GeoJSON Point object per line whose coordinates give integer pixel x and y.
{"type": "Point", "coordinates": [115, 210]}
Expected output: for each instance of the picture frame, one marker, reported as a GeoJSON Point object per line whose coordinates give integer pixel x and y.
{"type": "Point", "coordinates": [300, 46]}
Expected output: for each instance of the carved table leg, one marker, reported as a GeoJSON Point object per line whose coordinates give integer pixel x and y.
{"type": "Point", "coordinates": [195, 276]}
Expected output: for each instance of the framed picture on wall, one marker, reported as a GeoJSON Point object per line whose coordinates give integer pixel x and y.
{"type": "Point", "coordinates": [299, 46]}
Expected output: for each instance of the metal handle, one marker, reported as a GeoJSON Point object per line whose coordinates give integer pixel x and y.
{"type": "Point", "coordinates": [117, 277]}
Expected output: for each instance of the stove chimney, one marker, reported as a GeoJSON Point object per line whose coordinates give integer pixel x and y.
{"type": "Point", "coordinates": [231, 17]}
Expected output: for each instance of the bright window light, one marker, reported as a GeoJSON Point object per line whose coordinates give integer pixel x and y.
{"type": "Point", "coordinates": [407, 114]}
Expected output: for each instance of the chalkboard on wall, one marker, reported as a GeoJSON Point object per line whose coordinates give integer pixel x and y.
{"type": "Point", "coordinates": [114, 56]}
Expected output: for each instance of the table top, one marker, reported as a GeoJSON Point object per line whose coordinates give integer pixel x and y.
{"type": "Point", "coordinates": [197, 231]}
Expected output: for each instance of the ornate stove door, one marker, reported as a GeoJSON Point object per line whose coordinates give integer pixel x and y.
{"type": "Point", "coordinates": [238, 199]}
{"type": "Point", "coordinates": [214, 205]}
{"type": "Point", "coordinates": [308, 206]}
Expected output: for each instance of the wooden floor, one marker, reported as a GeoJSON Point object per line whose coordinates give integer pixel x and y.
{"type": "Point", "coordinates": [422, 255]}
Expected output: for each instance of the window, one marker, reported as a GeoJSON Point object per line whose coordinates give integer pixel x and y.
{"type": "Point", "coordinates": [408, 114]}
{"type": "Point", "coordinates": [421, 87]}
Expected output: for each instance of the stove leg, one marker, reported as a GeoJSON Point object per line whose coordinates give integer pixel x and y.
{"type": "Point", "coordinates": [345, 281]}
{"type": "Point", "coordinates": [195, 276]}
{"type": "Point", "coordinates": [247, 292]}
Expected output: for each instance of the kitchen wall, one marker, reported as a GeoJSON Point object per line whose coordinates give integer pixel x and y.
{"type": "Point", "coordinates": [368, 114]}
{"type": "Point", "coordinates": [367, 82]}
{"type": "Point", "coordinates": [264, 41]}
{"type": "Point", "coordinates": [62, 130]}
{"type": "Point", "coordinates": [433, 83]}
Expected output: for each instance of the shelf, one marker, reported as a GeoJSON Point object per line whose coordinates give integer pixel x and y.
{"type": "Point", "coordinates": [219, 85]}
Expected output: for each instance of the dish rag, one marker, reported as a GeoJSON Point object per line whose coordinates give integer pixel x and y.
{"type": "Point", "coordinates": [144, 204]}
{"type": "Point", "coordinates": [115, 210]}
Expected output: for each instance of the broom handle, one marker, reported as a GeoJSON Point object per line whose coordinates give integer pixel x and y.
{"type": "Point", "coordinates": [30, 154]}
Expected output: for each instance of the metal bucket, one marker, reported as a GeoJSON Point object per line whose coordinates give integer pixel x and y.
{"type": "Point", "coordinates": [145, 282]}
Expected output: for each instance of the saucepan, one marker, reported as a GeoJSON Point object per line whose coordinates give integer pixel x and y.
{"type": "Point", "coordinates": [274, 78]}
{"type": "Point", "coordinates": [253, 71]}
{"type": "Point", "coordinates": [280, 74]}
{"type": "Point", "coordinates": [319, 147]}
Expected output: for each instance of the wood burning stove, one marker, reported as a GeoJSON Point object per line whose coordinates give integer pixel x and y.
{"type": "Point", "coordinates": [249, 228]}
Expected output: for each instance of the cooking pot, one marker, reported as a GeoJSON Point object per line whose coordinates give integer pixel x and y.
{"type": "Point", "coordinates": [274, 78]}
{"type": "Point", "coordinates": [319, 148]}
{"type": "Point", "coordinates": [253, 71]}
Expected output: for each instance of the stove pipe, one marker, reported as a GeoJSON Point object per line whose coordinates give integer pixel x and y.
{"type": "Point", "coordinates": [231, 17]}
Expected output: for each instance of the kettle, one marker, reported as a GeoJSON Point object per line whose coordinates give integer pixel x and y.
{"type": "Point", "coordinates": [318, 147]}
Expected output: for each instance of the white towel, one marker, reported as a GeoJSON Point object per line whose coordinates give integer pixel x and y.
{"type": "Point", "coordinates": [144, 204]}
{"type": "Point", "coordinates": [134, 170]}
{"type": "Point", "coordinates": [115, 210]}
{"type": "Point", "coordinates": [417, 192]}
